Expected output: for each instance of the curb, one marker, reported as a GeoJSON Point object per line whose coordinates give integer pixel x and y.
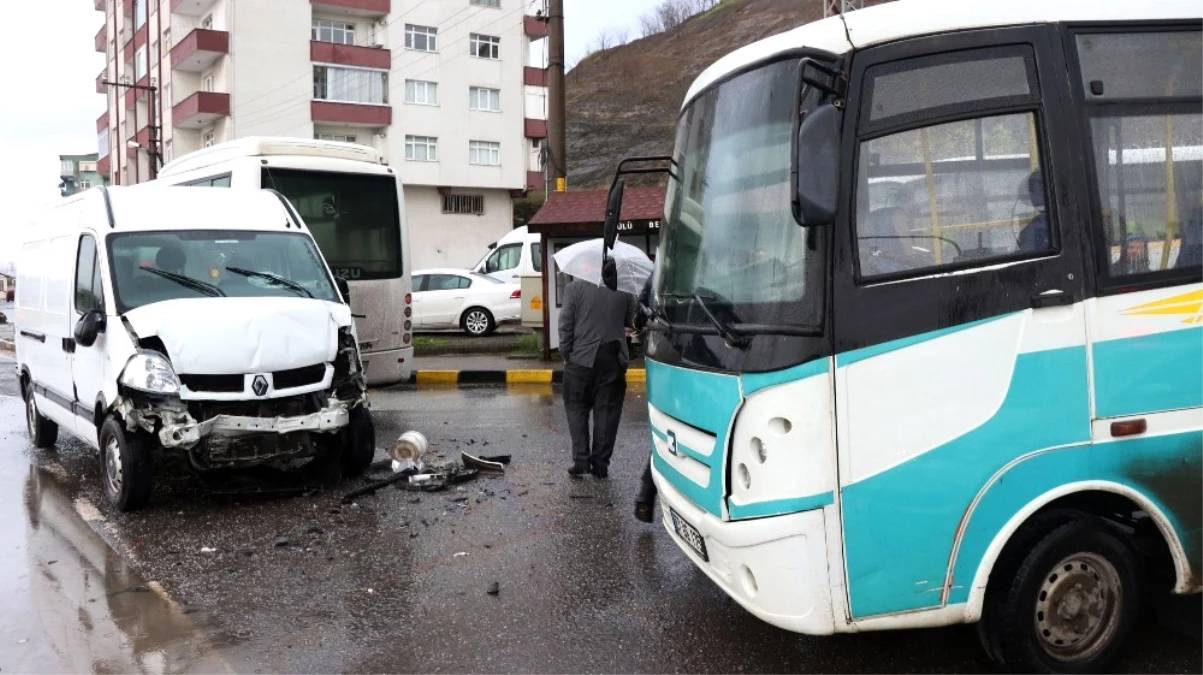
{"type": "Point", "coordinates": [545, 376]}
{"type": "Point", "coordinates": [6, 345]}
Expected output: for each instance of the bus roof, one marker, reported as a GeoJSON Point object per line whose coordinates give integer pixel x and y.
{"type": "Point", "coordinates": [911, 18]}
{"type": "Point", "coordinates": [265, 146]}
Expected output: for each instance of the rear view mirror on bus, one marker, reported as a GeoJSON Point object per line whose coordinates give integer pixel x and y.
{"type": "Point", "coordinates": [816, 190]}
{"type": "Point", "coordinates": [613, 209]}
{"type": "Point", "coordinates": [344, 289]}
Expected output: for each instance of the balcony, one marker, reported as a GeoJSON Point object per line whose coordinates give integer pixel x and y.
{"type": "Point", "coordinates": [102, 122]}
{"type": "Point", "coordinates": [536, 128]}
{"type": "Point", "coordinates": [352, 114]}
{"type": "Point", "coordinates": [200, 110]}
{"type": "Point", "coordinates": [535, 77]}
{"type": "Point", "coordinates": [127, 7]}
{"type": "Point", "coordinates": [102, 37]}
{"type": "Point", "coordinates": [535, 28]}
{"type": "Point", "coordinates": [99, 5]}
{"type": "Point", "coordinates": [200, 50]}
{"type": "Point", "coordinates": [100, 86]}
{"type": "Point", "coordinates": [350, 55]}
{"type": "Point", "coordinates": [102, 166]}
{"type": "Point", "coordinates": [371, 8]}
{"type": "Point", "coordinates": [534, 180]}
{"type": "Point", "coordinates": [192, 7]}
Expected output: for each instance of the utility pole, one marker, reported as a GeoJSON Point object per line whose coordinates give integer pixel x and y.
{"type": "Point", "coordinates": [556, 144]}
{"type": "Point", "coordinates": [152, 126]}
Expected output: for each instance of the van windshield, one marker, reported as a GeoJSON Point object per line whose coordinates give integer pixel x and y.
{"type": "Point", "coordinates": [150, 267]}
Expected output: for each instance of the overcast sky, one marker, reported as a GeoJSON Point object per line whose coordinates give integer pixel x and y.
{"type": "Point", "coordinates": [50, 106]}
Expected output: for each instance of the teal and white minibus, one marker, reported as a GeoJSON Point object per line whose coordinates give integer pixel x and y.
{"type": "Point", "coordinates": [928, 334]}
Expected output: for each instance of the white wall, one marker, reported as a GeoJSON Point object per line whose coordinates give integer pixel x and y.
{"type": "Point", "coordinates": [442, 240]}
{"type": "Point", "coordinates": [271, 83]}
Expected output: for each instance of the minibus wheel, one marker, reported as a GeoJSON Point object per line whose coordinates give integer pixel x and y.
{"type": "Point", "coordinates": [1070, 604]}
{"type": "Point", "coordinates": [42, 432]}
{"type": "Point", "coordinates": [359, 443]}
{"type": "Point", "coordinates": [125, 466]}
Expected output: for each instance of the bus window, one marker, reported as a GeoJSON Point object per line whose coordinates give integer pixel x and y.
{"type": "Point", "coordinates": [1148, 153]}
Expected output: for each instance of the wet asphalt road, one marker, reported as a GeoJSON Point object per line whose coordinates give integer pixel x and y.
{"type": "Point", "coordinates": [380, 586]}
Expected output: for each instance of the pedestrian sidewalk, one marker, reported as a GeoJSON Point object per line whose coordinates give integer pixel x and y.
{"type": "Point", "coordinates": [489, 369]}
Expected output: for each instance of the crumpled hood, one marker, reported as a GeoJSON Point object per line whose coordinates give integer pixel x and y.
{"type": "Point", "coordinates": [231, 336]}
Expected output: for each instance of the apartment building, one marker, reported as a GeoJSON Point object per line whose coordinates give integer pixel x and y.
{"type": "Point", "coordinates": [78, 173]}
{"type": "Point", "coordinates": [444, 89]}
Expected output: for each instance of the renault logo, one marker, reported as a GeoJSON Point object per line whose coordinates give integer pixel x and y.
{"type": "Point", "coordinates": [259, 386]}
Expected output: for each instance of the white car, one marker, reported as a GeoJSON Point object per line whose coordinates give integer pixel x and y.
{"type": "Point", "coordinates": [475, 303]}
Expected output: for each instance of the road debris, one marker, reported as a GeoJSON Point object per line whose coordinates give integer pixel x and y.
{"type": "Point", "coordinates": [206, 549]}
{"type": "Point", "coordinates": [461, 554]}
{"type": "Point", "coordinates": [282, 542]}
{"type": "Point", "coordinates": [494, 588]}
{"type": "Point", "coordinates": [494, 464]}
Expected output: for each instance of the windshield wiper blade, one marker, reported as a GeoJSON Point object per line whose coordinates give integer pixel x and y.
{"type": "Point", "coordinates": [288, 283]}
{"type": "Point", "coordinates": [195, 284]}
{"type": "Point", "coordinates": [733, 337]}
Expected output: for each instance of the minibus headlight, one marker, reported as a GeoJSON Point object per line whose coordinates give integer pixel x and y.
{"type": "Point", "coordinates": [150, 372]}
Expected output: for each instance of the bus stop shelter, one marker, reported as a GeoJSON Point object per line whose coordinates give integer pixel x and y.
{"type": "Point", "coordinates": [569, 217]}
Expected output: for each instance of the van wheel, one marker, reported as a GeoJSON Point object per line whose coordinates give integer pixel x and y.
{"type": "Point", "coordinates": [1070, 604]}
{"type": "Point", "coordinates": [477, 322]}
{"type": "Point", "coordinates": [359, 443]}
{"type": "Point", "coordinates": [125, 466]}
{"type": "Point", "coordinates": [42, 432]}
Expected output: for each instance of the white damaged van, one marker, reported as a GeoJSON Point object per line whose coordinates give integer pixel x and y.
{"type": "Point", "coordinates": [195, 322]}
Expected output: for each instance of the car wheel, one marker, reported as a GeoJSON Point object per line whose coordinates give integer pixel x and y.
{"type": "Point", "coordinates": [1070, 605]}
{"type": "Point", "coordinates": [125, 466]}
{"type": "Point", "coordinates": [478, 321]}
{"type": "Point", "coordinates": [359, 443]}
{"type": "Point", "coordinates": [42, 432]}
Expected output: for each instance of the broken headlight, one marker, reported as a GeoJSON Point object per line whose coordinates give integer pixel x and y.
{"type": "Point", "coordinates": [150, 372]}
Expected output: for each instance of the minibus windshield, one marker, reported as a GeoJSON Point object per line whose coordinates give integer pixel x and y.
{"type": "Point", "coordinates": [730, 234]}
{"type": "Point", "coordinates": [151, 267]}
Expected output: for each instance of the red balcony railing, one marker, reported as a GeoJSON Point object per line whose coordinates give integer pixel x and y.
{"type": "Point", "coordinates": [200, 110]}
{"type": "Point", "coordinates": [350, 55]}
{"type": "Point", "coordinates": [536, 128]}
{"type": "Point", "coordinates": [355, 114]}
{"type": "Point", "coordinates": [199, 49]}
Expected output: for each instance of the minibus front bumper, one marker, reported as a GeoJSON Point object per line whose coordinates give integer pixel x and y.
{"type": "Point", "coordinates": [775, 567]}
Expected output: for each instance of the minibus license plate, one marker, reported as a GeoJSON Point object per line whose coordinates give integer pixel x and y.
{"type": "Point", "coordinates": [689, 534]}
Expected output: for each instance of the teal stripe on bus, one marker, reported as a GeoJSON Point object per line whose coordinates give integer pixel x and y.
{"type": "Point", "coordinates": [1149, 373]}
{"type": "Point", "coordinates": [777, 507]}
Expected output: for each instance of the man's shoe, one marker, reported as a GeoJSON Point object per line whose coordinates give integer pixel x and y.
{"type": "Point", "coordinates": [578, 471]}
{"type": "Point", "coordinates": [600, 473]}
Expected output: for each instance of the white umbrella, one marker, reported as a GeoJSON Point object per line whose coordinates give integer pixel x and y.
{"type": "Point", "coordinates": [583, 260]}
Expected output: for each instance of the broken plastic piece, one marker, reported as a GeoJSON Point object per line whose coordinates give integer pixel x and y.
{"type": "Point", "coordinates": [480, 464]}
{"type": "Point", "coordinates": [494, 588]}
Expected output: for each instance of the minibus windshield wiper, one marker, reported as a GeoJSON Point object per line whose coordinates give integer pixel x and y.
{"type": "Point", "coordinates": [287, 283]}
{"type": "Point", "coordinates": [733, 337]}
{"type": "Point", "coordinates": [194, 284]}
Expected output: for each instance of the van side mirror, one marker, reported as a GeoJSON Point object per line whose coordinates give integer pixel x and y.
{"type": "Point", "coordinates": [89, 327]}
{"type": "Point", "coordinates": [344, 289]}
{"type": "Point", "coordinates": [817, 177]}
{"type": "Point", "coordinates": [613, 210]}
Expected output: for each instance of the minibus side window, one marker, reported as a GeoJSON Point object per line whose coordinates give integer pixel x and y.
{"type": "Point", "coordinates": [944, 181]}
{"type": "Point", "coordinates": [1142, 93]}
{"type": "Point", "coordinates": [88, 288]}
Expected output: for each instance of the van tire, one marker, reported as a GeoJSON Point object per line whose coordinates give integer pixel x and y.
{"type": "Point", "coordinates": [1018, 627]}
{"type": "Point", "coordinates": [43, 433]}
{"type": "Point", "coordinates": [125, 466]}
{"type": "Point", "coordinates": [478, 322]}
{"type": "Point", "coordinates": [359, 443]}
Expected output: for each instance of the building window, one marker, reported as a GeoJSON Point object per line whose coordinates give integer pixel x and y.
{"type": "Point", "coordinates": [166, 40]}
{"type": "Point", "coordinates": [140, 64]}
{"type": "Point", "coordinates": [84, 184]}
{"type": "Point", "coordinates": [421, 38]}
{"type": "Point", "coordinates": [421, 148]}
{"type": "Point", "coordinates": [66, 168]}
{"type": "Point", "coordinates": [464, 204]}
{"type": "Point", "coordinates": [423, 93]}
{"type": "Point", "coordinates": [350, 85]}
{"type": "Point", "coordinates": [207, 83]}
{"type": "Point", "coordinates": [338, 32]}
{"type": "Point", "coordinates": [484, 46]}
{"type": "Point", "coordinates": [167, 153]}
{"type": "Point", "coordinates": [480, 98]}
{"type": "Point", "coordinates": [487, 3]}
{"type": "Point", "coordinates": [340, 138]}
{"type": "Point", "coordinates": [207, 22]}
{"type": "Point", "coordinates": [87, 167]}
{"type": "Point", "coordinates": [208, 139]}
{"type": "Point", "coordinates": [102, 143]}
{"type": "Point", "coordinates": [486, 153]}
{"type": "Point", "coordinates": [139, 14]}
{"type": "Point", "coordinates": [167, 95]}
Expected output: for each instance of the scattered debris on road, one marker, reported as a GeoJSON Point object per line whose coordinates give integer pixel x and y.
{"type": "Point", "coordinates": [494, 588]}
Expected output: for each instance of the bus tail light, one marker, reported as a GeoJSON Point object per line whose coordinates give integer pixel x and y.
{"type": "Point", "coordinates": [406, 338]}
{"type": "Point", "coordinates": [516, 294]}
{"type": "Point", "coordinates": [409, 298]}
{"type": "Point", "coordinates": [409, 311]}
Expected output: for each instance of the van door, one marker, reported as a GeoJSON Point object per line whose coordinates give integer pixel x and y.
{"type": "Point", "coordinates": [52, 369]}
{"type": "Point", "coordinates": [88, 363]}
{"type": "Point", "coordinates": [958, 298]}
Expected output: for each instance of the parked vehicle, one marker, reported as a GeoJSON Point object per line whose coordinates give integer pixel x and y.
{"type": "Point", "coordinates": [475, 303]}
{"type": "Point", "coordinates": [352, 204]}
{"type": "Point", "coordinates": [927, 345]}
{"type": "Point", "coordinates": [217, 334]}
{"type": "Point", "coordinates": [516, 254]}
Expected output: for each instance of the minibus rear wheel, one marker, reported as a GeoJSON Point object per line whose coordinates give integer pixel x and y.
{"type": "Point", "coordinates": [42, 432]}
{"type": "Point", "coordinates": [1070, 604]}
{"type": "Point", "coordinates": [125, 466]}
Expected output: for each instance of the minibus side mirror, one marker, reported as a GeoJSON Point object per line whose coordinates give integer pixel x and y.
{"type": "Point", "coordinates": [613, 210]}
{"type": "Point", "coordinates": [89, 327]}
{"type": "Point", "coordinates": [817, 178]}
{"type": "Point", "coordinates": [344, 289]}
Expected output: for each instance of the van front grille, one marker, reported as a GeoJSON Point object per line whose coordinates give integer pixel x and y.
{"type": "Point", "coordinates": [299, 377]}
{"type": "Point", "coordinates": [214, 383]}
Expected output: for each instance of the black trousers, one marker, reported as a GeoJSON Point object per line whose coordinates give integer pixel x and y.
{"type": "Point", "coordinates": [599, 391]}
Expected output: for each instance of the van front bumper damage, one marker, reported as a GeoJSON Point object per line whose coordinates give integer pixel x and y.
{"type": "Point", "coordinates": [187, 432]}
